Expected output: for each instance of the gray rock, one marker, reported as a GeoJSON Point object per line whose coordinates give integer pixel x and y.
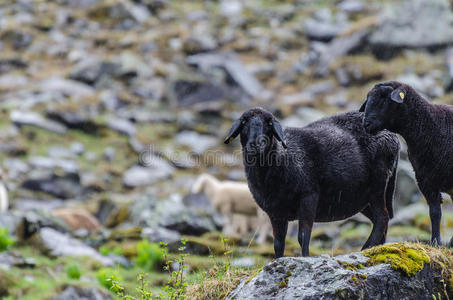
{"type": "Point", "coordinates": [7, 65]}
{"type": "Point", "coordinates": [74, 120]}
{"type": "Point", "coordinates": [66, 186]}
{"type": "Point", "coordinates": [91, 69]}
{"type": "Point", "coordinates": [426, 84]}
{"type": "Point", "coordinates": [35, 119]}
{"type": "Point", "coordinates": [54, 244]}
{"type": "Point", "coordinates": [351, 6]}
{"type": "Point", "coordinates": [190, 92]}
{"type": "Point", "coordinates": [413, 24]}
{"type": "Point", "coordinates": [233, 67]}
{"type": "Point", "coordinates": [155, 169]}
{"type": "Point", "coordinates": [244, 262]}
{"type": "Point", "coordinates": [52, 163]}
{"type": "Point", "coordinates": [32, 221]}
{"type": "Point", "coordinates": [66, 87]}
{"type": "Point", "coordinates": [171, 214]}
{"type": "Point", "coordinates": [449, 64]}
{"type": "Point", "coordinates": [196, 142]}
{"type": "Point", "coordinates": [122, 126]}
{"type": "Point", "coordinates": [304, 116]}
{"type": "Point", "coordinates": [230, 8]}
{"type": "Point", "coordinates": [323, 277]}
{"type": "Point", "coordinates": [324, 27]}
{"type": "Point", "coordinates": [407, 191]}
{"type": "Point", "coordinates": [338, 48]}
{"type": "Point", "coordinates": [161, 234]}
{"type": "Point", "coordinates": [13, 259]}
{"type": "Point", "coordinates": [79, 293]}
{"type": "Point", "coordinates": [405, 216]}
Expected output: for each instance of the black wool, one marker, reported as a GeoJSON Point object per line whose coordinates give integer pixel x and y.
{"type": "Point", "coordinates": [329, 170]}
{"type": "Point", "coordinates": [428, 131]}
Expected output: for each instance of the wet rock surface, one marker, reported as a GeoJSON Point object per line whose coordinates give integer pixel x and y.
{"type": "Point", "coordinates": [325, 277]}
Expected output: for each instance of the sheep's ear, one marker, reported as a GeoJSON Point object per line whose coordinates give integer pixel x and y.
{"type": "Point", "coordinates": [398, 95]}
{"type": "Point", "coordinates": [362, 108]}
{"type": "Point", "coordinates": [234, 131]}
{"type": "Point", "coordinates": [278, 132]}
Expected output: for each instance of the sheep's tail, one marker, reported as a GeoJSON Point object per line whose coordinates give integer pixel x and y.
{"type": "Point", "coordinates": [390, 191]}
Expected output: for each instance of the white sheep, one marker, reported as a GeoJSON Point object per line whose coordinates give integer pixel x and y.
{"type": "Point", "coordinates": [4, 203]}
{"type": "Point", "coordinates": [236, 203]}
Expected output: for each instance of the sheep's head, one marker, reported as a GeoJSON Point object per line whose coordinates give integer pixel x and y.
{"type": "Point", "coordinates": [383, 106]}
{"type": "Point", "coordinates": [257, 128]}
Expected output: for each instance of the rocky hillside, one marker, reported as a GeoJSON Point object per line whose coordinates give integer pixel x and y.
{"type": "Point", "coordinates": [109, 109]}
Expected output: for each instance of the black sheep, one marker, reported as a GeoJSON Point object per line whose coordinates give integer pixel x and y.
{"type": "Point", "coordinates": [326, 171]}
{"type": "Point", "coordinates": [428, 131]}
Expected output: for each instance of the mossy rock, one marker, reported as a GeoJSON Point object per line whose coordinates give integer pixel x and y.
{"type": "Point", "coordinates": [407, 258]}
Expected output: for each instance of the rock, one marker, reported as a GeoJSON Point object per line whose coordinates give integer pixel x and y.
{"type": "Point", "coordinates": [449, 64]}
{"type": "Point", "coordinates": [190, 92]}
{"type": "Point", "coordinates": [77, 218]}
{"type": "Point", "coordinates": [413, 24]}
{"type": "Point", "coordinates": [79, 293]}
{"type": "Point", "coordinates": [406, 191]}
{"type": "Point", "coordinates": [35, 119]}
{"type": "Point", "coordinates": [7, 65]}
{"type": "Point", "coordinates": [230, 8]}
{"type": "Point", "coordinates": [12, 259]}
{"type": "Point", "coordinates": [198, 143]}
{"type": "Point", "coordinates": [171, 214]}
{"type": "Point", "coordinates": [53, 163]}
{"type": "Point", "coordinates": [405, 215]}
{"type": "Point", "coordinates": [233, 67]}
{"type": "Point", "coordinates": [351, 6]}
{"type": "Point", "coordinates": [338, 48]}
{"type": "Point", "coordinates": [161, 234]}
{"type": "Point", "coordinates": [66, 186]}
{"type": "Point", "coordinates": [155, 169]}
{"type": "Point", "coordinates": [244, 262]}
{"type": "Point", "coordinates": [322, 28]}
{"type": "Point", "coordinates": [426, 84]}
{"type": "Point", "coordinates": [341, 277]}
{"type": "Point", "coordinates": [304, 116]}
{"type": "Point", "coordinates": [66, 88]}
{"type": "Point", "coordinates": [74, 120]}
{"type": "Point", "coordinates": [55, 244]}
{"type": "Point", "coordinates": [122, 126]}
{"type": "Point", "coordinates": [90, 70]}
{"type": "Point", "coordinates": [18, 40]}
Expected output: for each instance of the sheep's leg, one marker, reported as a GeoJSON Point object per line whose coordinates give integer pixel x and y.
{"type": "Point", "coordinates": [279, 228]}
{"type": "Point", "coordinates": [304, 234]}
{"type": "Point", "coordinates": [369, 214]}
{"type": "Point", "coordinates": [380, 218]}
{"type": "Point", "coordinates": [435, 213]}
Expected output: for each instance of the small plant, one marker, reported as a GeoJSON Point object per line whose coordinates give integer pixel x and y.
{"type": "Point", "coordinates": [73, 271]}
{"type": "Point", "coordinates": [149, 255]}
{"type": "Point", "coordinates": [107, 277]}
{"type": "Point", "coordinates": [5, 239]}
{"type": "Point", "coordinates": [176, 284]}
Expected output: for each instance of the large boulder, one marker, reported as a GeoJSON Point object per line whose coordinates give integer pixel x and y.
{"type": "Point", "coordinates": [393, 271]}
{"type": "Point", "coordinates": [413, 24]}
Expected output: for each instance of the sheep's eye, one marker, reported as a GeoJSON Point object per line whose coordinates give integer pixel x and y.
{"type": "Point", "coordinates": [270, 123]}
{"type": "Point", "coordinates": [243, 121]}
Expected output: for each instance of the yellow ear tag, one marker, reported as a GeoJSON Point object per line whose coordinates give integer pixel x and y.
{"type": "Point", "coordinates": [402, 96]}
{"type": "Point", "coordinates": [230, 140]}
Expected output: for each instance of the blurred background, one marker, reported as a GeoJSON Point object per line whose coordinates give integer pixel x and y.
{"type": "Point", "coordinates": [110, 109]}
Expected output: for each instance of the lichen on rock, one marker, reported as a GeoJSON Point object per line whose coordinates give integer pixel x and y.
{"type": "Point", "coordinates": [408, 258]}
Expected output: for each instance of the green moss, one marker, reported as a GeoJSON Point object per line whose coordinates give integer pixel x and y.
{"type": "Point", "coordinates": [253, 275]}
{"type": "Point", "coordinates": [407, 258]}
{"type": "Point", "coordinates": [283, 284]}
